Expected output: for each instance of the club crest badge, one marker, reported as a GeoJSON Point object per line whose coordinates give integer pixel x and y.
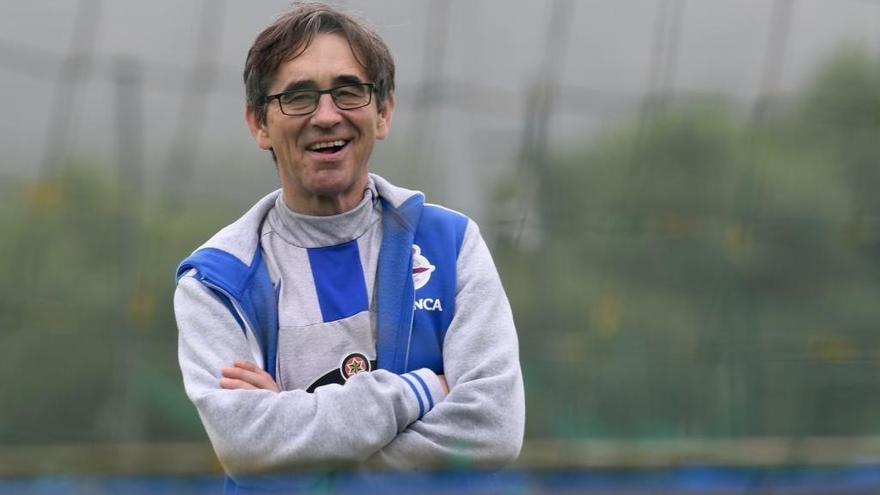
{"type": "Point", "coordinates": [354, 364]}
{"type": "Point", "coordinates": [422, 268]}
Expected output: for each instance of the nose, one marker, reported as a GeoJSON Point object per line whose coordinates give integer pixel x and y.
{"type": "Point", "coordinates": [327, 114]}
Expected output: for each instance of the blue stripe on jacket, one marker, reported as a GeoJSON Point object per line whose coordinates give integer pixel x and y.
{"type": "Point", "coordinates": [339, 280]}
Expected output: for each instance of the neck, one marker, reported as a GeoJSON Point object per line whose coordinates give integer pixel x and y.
{"type": "Point", "coordinates": [320, 206]}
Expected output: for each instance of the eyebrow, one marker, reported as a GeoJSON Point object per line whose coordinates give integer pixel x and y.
{"type": "Point", "coordinates": [310, 84]}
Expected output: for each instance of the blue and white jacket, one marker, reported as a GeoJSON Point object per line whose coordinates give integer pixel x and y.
{"type": "Point", "coordinates": [408, 296]}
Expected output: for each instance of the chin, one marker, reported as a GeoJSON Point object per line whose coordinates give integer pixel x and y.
{"type": "Point", "coordinates": [330, 186]}
{"type": "Point", "coordinates": [332, 191]}
{"type": "Point", "coordinates": [331, 182]}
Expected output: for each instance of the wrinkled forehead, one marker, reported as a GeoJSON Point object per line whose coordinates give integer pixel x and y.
{"type": "Point", "coordinates": [326, 52]}
{"type": "Point", "coordinates": [327, 62]}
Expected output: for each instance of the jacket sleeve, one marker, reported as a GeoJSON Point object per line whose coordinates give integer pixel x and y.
{"type": "Point", "coordinates": [482, 419]}
{"type": "Point", "coordinates": [255, 431]}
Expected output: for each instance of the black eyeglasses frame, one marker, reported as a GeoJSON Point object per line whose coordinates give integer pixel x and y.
{"type": "Point", "coordinates": [320, 92]}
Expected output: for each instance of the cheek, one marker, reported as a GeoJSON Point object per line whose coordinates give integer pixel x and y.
{"type": "Point", "coordinates": [284, 141]}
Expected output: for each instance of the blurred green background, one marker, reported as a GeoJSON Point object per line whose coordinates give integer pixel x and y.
{"type": "Point", "coordinates": [700, 271]}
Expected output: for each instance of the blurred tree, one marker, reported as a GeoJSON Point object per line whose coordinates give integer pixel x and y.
{"type": "Point", "coordinates": [65, 317]}
{"type": "Point", "coordinates": [707, 277]}
{"type": "Point", "coordinates": [704, 278]}
{"type": "Point", "coordinates": [840, 116]}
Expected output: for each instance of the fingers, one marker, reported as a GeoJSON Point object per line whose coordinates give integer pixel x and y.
{"type": "Point", "coordinates": [444, 384]}
{"type": "Point", "coordinates": [247, 365]}
{"type": "Point", "coordinates": [233, 384]}
{"type": "Point", "coordinates": [246, 375]}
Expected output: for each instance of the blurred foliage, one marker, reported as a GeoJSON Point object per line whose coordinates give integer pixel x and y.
{"type": "Point", "coordinates": [700, 273]}
{"type": "Point", "coordinates": [696, 273]}
{"type": "Point", "coordinates": [89, 339]}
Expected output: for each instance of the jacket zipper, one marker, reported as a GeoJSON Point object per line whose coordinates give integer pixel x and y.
{"type": "Point", "coordinates": [412, 314]}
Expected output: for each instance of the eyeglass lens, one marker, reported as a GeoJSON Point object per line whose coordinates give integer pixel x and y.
{"type": "Point", "coordinates": [346, 97]}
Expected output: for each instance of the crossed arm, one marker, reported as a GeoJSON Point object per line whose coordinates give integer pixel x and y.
{"type": "Point", "coordinates": [482, 419]}
{"type": "Point", "coordinates": [255, 427]}
{"type": "Point", "coordinates": [245, 375]}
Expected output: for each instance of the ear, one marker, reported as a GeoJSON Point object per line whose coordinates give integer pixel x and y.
{"type": "Point", "coordinates": [258, 129]}
{"type": "Point", "coordinates": [383, 126]}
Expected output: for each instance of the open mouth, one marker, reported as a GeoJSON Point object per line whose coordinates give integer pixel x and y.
{"type": "Point", "coordinates": [328, 147]}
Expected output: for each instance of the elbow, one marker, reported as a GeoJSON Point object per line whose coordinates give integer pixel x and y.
{"type": "Point", "coordinates": [502, 430]}
{"type": "Point", "coordinates": [255, 451]}
{"type": "Point", "coordinates": [242, 449]}
{"type": "Point", "coordinates": [238, 460]}
{"type": "Point", "coordinates": [510, 450]}
{"type": "Point", "coordinates": [235, 452]}
{"type": "Point", "coordinates": [509, 432]}
{"type": "Point", "coordinates": [504, 444]}
{"type": "Point", "coordinates": [505, 450]}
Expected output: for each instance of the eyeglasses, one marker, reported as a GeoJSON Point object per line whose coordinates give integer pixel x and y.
{"type": "Point", "coordinates": [305, 101]}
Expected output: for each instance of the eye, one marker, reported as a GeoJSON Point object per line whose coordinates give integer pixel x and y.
{"type": "Point", "coordinates": [297, 98]}
{"type": "Point", "coordinates": [350, 92]}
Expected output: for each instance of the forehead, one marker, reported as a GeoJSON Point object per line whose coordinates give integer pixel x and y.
{"type": "Point", "coordinates": [328, 58]}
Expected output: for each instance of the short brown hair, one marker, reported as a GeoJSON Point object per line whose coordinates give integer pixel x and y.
{"type": "Point", "coordinates": [292, 33]}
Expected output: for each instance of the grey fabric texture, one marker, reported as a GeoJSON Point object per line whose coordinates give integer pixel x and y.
{"type": "Point", "coordinates": [373, 419]}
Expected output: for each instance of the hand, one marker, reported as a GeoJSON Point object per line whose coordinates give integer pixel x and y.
{"type": "Point", "coordinates": [444, 384]}
{"type": "Point", "coordinates": [247, 375]}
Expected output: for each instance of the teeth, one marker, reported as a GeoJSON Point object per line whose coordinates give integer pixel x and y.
{"type": "Point", "coordinates": [328, 144]}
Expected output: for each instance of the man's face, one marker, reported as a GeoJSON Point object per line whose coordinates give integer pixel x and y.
{"type": "Point", "coordinates": [330, 180]}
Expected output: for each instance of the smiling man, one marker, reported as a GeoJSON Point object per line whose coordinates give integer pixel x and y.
{"type": "Point", "coordinates": [322, 144]}
{"type": "Point", "coordinates": [342, 320]}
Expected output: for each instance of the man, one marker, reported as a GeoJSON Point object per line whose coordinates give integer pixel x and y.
{"type": "Point", "coordinates": [341, 319]}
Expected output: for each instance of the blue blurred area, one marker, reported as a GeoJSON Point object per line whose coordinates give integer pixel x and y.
{"type": "Point", "coordinates": [687, 480]}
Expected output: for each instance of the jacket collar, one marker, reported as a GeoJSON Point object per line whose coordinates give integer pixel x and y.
{"type": "Point", "coordinates": [242, 237]}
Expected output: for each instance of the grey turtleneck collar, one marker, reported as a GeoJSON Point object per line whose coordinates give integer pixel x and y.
{"type": "Point", "coordinates": [309, 231]}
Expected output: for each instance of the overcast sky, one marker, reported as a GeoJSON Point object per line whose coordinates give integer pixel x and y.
{"type": "Point", "coordinates": [498, 46]}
